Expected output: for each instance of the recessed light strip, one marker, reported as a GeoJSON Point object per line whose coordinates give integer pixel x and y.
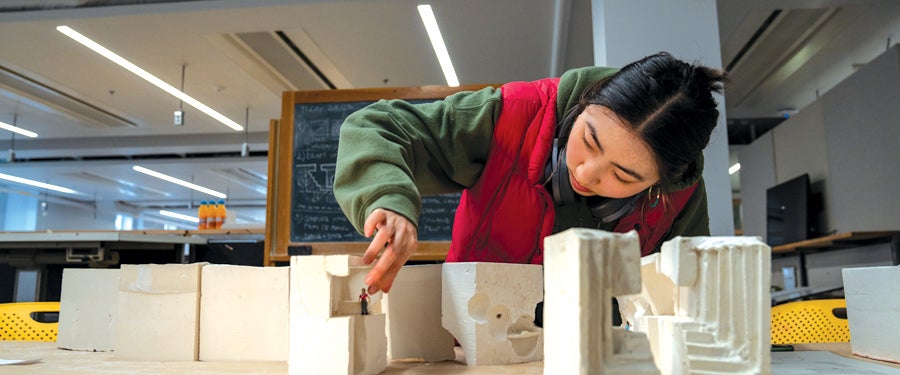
{"type": "Point", "coordinates": [437, 42]}
{"type": "Point", "coordinates": [734, 168]}
{"type": "Point", "coordinates": [174, 180]}
{"type": "Point", "coordinates": [17, 129]}
{"type": "Point", "coordinates": [128, 65]}
{"type": "Point", "coordinates": [179, 216]}
{"type": "Point", "coordinates": [37, 184]}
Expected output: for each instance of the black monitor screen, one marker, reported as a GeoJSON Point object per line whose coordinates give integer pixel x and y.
{"type": "Point", "coordinates": [787, 211]}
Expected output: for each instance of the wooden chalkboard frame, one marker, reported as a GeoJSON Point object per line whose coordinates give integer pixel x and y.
{"type": "Point", "coordinates": [281, 138]}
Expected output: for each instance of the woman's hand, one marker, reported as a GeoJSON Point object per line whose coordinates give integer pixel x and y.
{"type": "Point", "coordinates": [398, 237]}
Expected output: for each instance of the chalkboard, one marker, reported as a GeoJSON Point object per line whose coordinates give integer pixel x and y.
{"type": "Point", "coordinates": [315, 215]}
{"type": "Point", "coordinates": [300, 205]}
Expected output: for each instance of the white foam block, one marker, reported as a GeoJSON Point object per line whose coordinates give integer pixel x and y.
{"type": "Point", "coordinates": [244, 313]}
{"type": "Point", "coordinates": [584, 270]}
{"type": "Point", "coordinates": [413, 309]}
{"type": "Point", "coordinates": [873, 310]}
{"type": "Point", "coordinates": [88, 307]}
{"type": "Point", "coordinates": [489, 308]}
{"type": "Point", "coordinates": [159, 308]}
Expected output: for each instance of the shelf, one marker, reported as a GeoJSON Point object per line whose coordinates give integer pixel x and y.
{"type": "Point", "coordinates": [427, 251]}
{"type": "Point", "coordinates": [829, 241]}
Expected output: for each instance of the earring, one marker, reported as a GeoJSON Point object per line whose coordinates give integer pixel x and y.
{"type": "Point", "coordinates": [649, 195]}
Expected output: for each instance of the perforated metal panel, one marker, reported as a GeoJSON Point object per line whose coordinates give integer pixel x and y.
{"type": "Point", "coordinates": [809, 322]}
{"type": "Point", "coordinates": [17, 324]}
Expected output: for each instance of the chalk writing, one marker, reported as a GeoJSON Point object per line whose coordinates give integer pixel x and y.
{"type": "Point", "coordinates": [315, 214]}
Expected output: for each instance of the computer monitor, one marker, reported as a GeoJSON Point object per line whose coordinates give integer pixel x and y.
{"type": "Point", "coordinates": [788, 213]}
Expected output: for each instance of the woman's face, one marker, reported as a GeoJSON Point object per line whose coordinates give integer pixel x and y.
{"type": "Point", "coordinates": [605, 158]}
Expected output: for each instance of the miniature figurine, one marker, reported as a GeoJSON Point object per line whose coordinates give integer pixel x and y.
{"type": "Point", "coordinates": [364, 302]}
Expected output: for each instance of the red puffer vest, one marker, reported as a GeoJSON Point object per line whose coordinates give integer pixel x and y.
{"type": "Point", "coordinates": [506, 214]}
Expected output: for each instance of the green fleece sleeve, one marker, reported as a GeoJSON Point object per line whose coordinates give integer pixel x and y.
{"type": "Point", "coordinates": [392, 152]}
{"type": "Point", "coordinates": [694, 217]}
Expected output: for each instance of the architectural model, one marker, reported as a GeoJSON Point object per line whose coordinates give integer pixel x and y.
{"type": "Point", "coordinates": [583, 270]}
{"type": "Point", "coordinates": [328, 332]}
{"type": "Point", "coordinates": [705, 306]}
{"type": "Point", "coordinates": [489, 308]}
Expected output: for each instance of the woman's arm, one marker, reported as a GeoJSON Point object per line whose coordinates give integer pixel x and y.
{"type": "Point", "coordinates": [391, 153]}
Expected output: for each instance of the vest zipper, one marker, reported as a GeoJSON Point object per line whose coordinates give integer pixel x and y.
{"type": "Point", "coordinates": [537, 242]}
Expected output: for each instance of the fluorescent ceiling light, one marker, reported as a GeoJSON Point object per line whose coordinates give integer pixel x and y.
{"type": "Point", "coordinates": [128, 65]}
{"type": "Point", "coordinates": [437, 42]}
{"type": "Point", "coordinates": [37, 184]}
{"type": "Point", "coordinates": [734, 168]}
{"type": "Point", "coordinates": [17, 129]}
{"type": "Point", "coordinates": [179, 181]}
{"type": "Point", "coordinates": [179, 216]}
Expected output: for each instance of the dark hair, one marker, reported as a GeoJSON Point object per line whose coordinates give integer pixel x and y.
{"type": "Point", "coordinates": [669, 104]}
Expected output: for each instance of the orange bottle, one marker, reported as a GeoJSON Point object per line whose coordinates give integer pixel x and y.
{"type": "Point", "coordinates": [221, 213]}
{"type": "Point", "coordinates": [203, 215]}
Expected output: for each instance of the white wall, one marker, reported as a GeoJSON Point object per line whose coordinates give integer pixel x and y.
{"type": "Point", "coordinates": [59, 216]}
{"type": "Point", "coordinates": [799, 147]}
{"type": "Point", "coordinates": [848, 141]}
{"type": "Point", "coordinates": [20, 212]}
{"type": "Point", "coordinates": [862, 129]}
{"type": "Point", "coordinates": [625, 31]}
{"type": "Point", "coordinates": [757, 175]}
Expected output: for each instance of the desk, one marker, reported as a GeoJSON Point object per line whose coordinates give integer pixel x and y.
{"type": "Point", "coordinates": [28, 255]}
{"type": "Point", "coordinates": [838, 240]}
{"type": "Point", "coordinates": [826, 359]}
{"type": "Point", "coordinates": [56, 361]}
{"type": "Point", "coordinates": [814, 266]}
{"type": "Point", "coordinates": [84, 246]}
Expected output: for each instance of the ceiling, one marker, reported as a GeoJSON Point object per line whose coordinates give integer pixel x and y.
{"type": "Point", "coordinates": [95, 120]}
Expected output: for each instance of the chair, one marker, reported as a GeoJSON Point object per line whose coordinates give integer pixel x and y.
{"type": "Point", "coordinates": [18, 323]}
{"type": "Point", "coordinates": [814, 321]}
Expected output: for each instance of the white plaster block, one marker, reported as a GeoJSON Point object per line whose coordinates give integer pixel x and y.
{"type": "Point", "coordinates": [353, 344]}
{"type": "Point", "coordinates": [583, 270]}
{"type": "Point", "coordinates": [489, 308]}
{"type": "Point", "coordinates": [656, 296]}
{"type": "Point", "coordinates": [327, 333]}
{"type": "Point", "coordinates": [369, 343]}
{"type": "Point", "coordinates": [88, 307]}
{"type": "Point", "coordinates": [159, 309]}
{"type": "Point", "coordinates": [873, 310]}
{"type": "Point", "coordinates": [413, 310]}
{"type": "Point", "coordinates": [244, 313]}
{"type": "Point", "coordinates": [321, 346]}
{"type": "Point", "coordinates": [720, 322]}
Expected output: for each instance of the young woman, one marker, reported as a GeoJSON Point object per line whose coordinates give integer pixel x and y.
{"type": "Point", "coordinates": [602, 148]}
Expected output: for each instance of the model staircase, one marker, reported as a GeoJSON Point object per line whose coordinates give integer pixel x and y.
{"type": "Point", "coordinates": [631, 354]}
{"type": "Point", "coordinates": [718, 340]}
